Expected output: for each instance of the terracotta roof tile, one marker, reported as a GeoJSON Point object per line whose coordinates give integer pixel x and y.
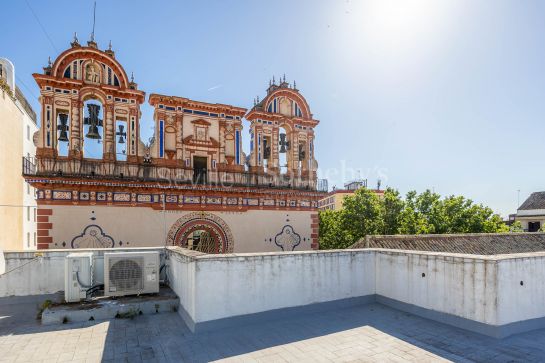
{"type": "Point", "coordinates": [474, 243]}
{"type": "Point", "coordinates": [535, 201]}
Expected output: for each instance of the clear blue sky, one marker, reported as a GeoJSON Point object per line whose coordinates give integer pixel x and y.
{"type": "Point", "coordinates": [448, 95]}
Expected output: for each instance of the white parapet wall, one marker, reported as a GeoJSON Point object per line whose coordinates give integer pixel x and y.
{"type": "Point", "coordinates": [217, 287]}
{"type": "Point", "coordinates": [479, 293]}
{"type": "Point", "coordinates": [494, 295]}
{"type": "Point", "coordinates": [42, 272]}
{"type": "Point", "coordinates": [458, 285]}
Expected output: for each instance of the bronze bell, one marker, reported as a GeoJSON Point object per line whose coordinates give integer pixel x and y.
{"type": "Point", "coordinates": [121, 133]}
{"type": "Point", "coordinates": [63, 127]}
{"type": "Point", "coordinates": [92, 133]}
{"type": "Point", "coordinates": [284, 145]}
{"type": "Point", "coordinates": [93, 121]}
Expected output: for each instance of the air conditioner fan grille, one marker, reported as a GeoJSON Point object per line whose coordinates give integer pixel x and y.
{"type": "Point", "coordinates": [126, 274]}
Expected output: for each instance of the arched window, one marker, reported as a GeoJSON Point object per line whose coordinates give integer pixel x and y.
{"type": "Point", "coordinates": [93, 130]}
{"type": "Point", "coordinates": [121, 140]}
{"type": "Point", "coordinates": [63, 133]}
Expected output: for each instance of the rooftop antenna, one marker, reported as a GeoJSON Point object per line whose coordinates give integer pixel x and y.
{"type": "Point", "coordinates": [94, 19]}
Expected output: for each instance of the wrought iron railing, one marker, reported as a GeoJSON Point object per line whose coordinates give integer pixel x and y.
{"type": "Point", "coordinates": [142, 172]}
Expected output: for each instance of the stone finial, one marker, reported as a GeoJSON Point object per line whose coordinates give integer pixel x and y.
{"type": "Point", "coordinates": [109, 51]}
{"type": "Point", "coordinates": [91, 43]}
{"type": "Point", "coordinates": [132, 84]}
{"type": "Point", "coordinates": [273, 81]}
{"type": "Point", "coordinates": [75, 41]}
{"type": "Point", "coordinates": [294, 84]}
{"type": "Point", "coordinates": [47, 70]}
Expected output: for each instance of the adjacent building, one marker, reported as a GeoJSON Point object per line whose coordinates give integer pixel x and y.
{"type": "Point", "coordinates": [99, 185]}
{"type": "Point", "coordinates": [334, 199]}
{"type": "Point", "coordinates": [531, 214]}
{"type": "Point", "coordinates": [17, 198]}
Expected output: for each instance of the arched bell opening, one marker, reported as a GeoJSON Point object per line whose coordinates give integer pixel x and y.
{"type": "Point", "coordinates": [266, 150]}
{"type": "Point", "coordinates": [121, 140]}
{"type": "Point", "coordinates": [284, 149]}
{"type": "Point", "coordinates": [93, 128]}
{"type": "Point", "coordinates": [302, 156]}
{"type": "Point", "coordinates": [63, 132]}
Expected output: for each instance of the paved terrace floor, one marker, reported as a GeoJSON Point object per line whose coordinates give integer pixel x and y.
{"type": "Point", "coordinates": [371, 333]}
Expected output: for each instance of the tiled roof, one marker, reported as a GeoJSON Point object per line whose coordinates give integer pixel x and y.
{"type": "Point", "coordinates": [473, 243]}
{"type": "Point", "coordinates": [535, 201]}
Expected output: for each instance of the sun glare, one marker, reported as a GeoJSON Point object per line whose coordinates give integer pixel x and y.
{"type": "Point", "coordinates": [393, 33]}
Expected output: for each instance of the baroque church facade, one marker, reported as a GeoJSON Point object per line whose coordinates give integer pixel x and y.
{"type": "Point", "coordinates": [192, 185]}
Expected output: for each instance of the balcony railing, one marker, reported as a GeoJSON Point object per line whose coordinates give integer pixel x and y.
{"type": "Point", "coordinates": [142, 172]}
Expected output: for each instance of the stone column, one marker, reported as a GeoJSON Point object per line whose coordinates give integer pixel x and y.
{"type": "Point", "coordinates": [76, 127]}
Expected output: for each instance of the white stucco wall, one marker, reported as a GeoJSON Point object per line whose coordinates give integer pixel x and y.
{"type": "Point", "coordinates": [518, 302]}
{"type": "Point", "coordinates": [461, 285]}
{"type": "Point", "coordinates": [253, 230]}
{"type": "Point", "coordinates": [483, 289]}
{"type": "Point", "coordinates": [29, 199]}
{"type": "Point", "coordinates": [244, 284]}
{"type": "Point", "coordinates": [37, 273]}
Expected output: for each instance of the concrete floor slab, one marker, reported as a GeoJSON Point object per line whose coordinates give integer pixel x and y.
{"type": "Point", "coordinates": [369, 333]}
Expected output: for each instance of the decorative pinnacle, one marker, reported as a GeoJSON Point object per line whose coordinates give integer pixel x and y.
{"type": "Point", "coordinates": [257, 99]}
{"type": "Point", "coordinates": [294, 85]}
{"type": "Point", "coordinates": [110, 45]}
{"type": "Point", "coordinates": [49, 61]}
{"type": "Point", "coordinates": [76, 37]}
{"type": "Point", "coordinates": [274, 80]}
{"type": "Point", "coordinates": [132, 77]}
{"type": "Point", "coordinates": [284, 77]}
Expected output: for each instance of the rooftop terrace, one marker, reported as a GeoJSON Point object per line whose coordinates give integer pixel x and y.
{"type": "Point", "coordinates": [369, 333]}
{"type": "Point", "coordinates": [343, 305]}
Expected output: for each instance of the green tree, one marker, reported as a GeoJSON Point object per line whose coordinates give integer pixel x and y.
{"type": "Point", "coordinates": [516, 227]}
{"type": "Point", "coordinates": [365, 213]}
{"type": "Point", "coordinates": [393, 206]}
{"type": "Point", "coordinates": [332, 235]}
{"type": "Point", "coordinates": [362, 214]}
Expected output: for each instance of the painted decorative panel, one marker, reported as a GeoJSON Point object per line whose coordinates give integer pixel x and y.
{"type": "Point", "coordinates": [192, 199]}
{"type": "Point", "coordinates": [122, 197]}
{"type": "Point", "coordinates": [101, 196]}
{"type": "Point", "coordinates": [143, 198]}
{"type": "Point", "coordinates": [171, 199]}
{"type": "Point", "coordinates": [268, 202]}
{"type": "Point", "coordinates": [250, 201]}
{"type": "Point", "coordinates": [213, 200]}
{"type": "Point", "coordinates": [62, 195]}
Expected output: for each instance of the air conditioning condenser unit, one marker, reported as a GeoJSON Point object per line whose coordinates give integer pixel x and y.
{"type": "Point", "coordinates": [131, 273]}
{"type": "Point", "coordinates": [78, 275]}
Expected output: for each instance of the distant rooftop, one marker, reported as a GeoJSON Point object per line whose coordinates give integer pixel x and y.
{"type": "Point", "coordinates": [535, 201]}
{"type": "Point", "coordinates": [26, 105]}
{"type": "Point", "coordinates": [473, 243]}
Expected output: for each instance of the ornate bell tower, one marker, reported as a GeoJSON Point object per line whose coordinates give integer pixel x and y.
{"type": "Point", "coordinates": [282, 134]}
{"type": "Point", "coordinates": [87, 99]}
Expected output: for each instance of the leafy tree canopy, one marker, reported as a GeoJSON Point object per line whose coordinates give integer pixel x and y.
{"type": "Point", "coordinates": [365, 213]}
